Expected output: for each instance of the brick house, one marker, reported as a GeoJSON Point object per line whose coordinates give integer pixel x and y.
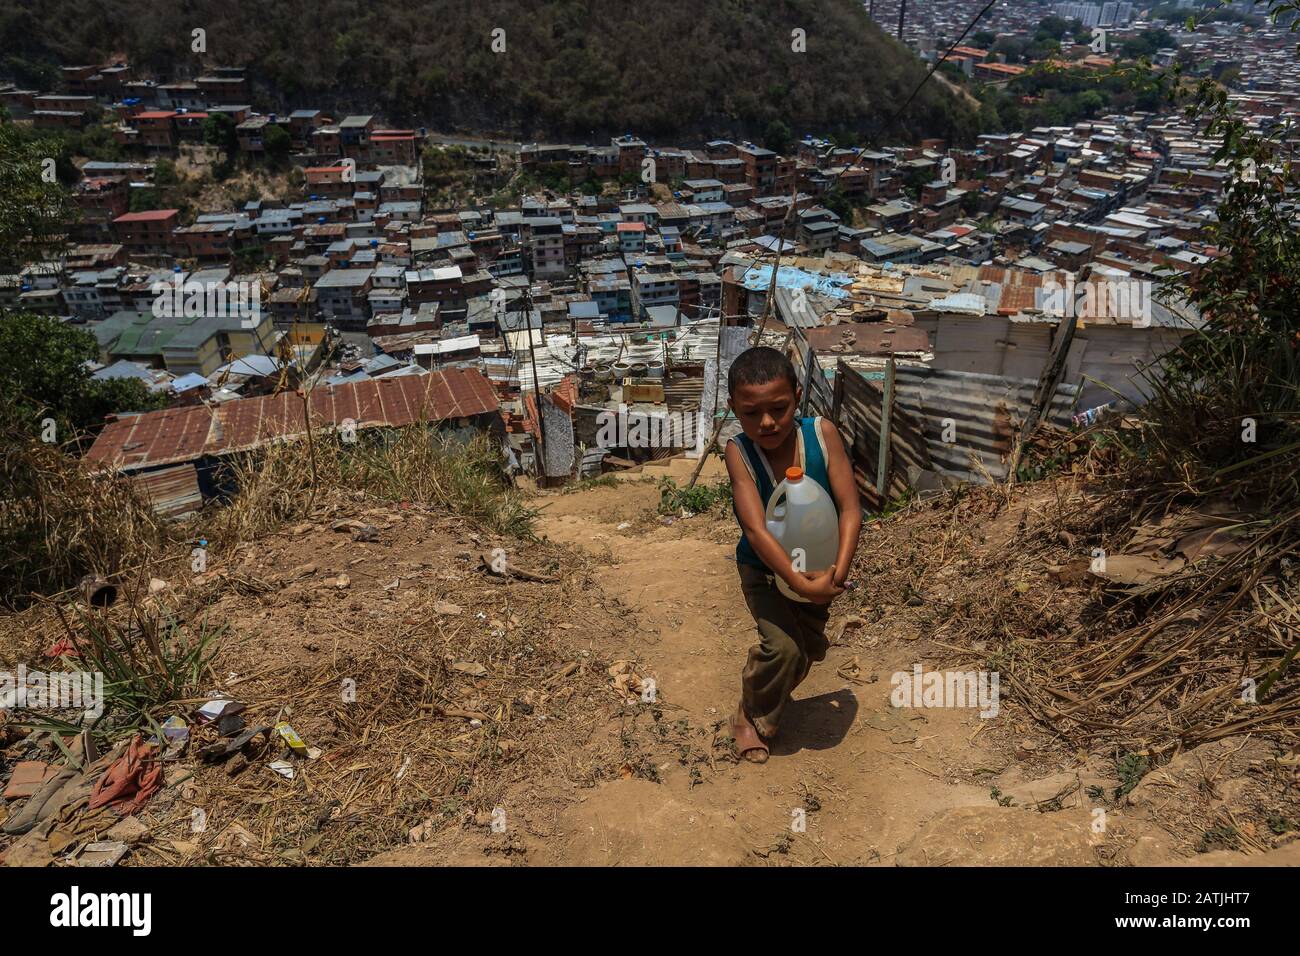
{"type": "Point", "coordinates": [148, 232]}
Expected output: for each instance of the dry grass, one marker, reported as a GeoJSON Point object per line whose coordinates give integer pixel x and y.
{"type": "Point", "coordinates": [1152, 668]}
{"type": "Point", "coordinates": [282, 482]}
{"type": "Point", "coordinates": [472, 691]}
{"type": "Point", "coordinates": [68, 523]}
{"type": "Point", "coordinates": [58, 522]}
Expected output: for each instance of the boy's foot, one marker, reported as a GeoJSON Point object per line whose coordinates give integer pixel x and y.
{"type": "Point", "coordinates": [748, 742]}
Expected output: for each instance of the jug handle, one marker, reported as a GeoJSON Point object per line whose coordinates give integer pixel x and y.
{"type": "Point", "coordinates": [775, 500]}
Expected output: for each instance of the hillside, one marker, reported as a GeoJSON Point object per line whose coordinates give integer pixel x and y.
{"type": "Point", "coordinates": [573, 69]}
{"type": "Point", "coordinates": [495, 719]}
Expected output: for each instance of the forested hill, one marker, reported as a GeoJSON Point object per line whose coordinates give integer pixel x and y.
{"type": "Point", "coordinates": [689, 69]}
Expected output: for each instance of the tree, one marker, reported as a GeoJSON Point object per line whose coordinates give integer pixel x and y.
{"type": "Point", "coordinates": [777, 137]}
{"type": "Point", "coordinates": [1013, 48]}
{"type": "Point", "coordinates": [1226, 74]}
{"type": "Point", "coordinates": [916, 180]}
{"type": "Point", "coordinates": [1237, 375]}
{"type": "Point", "coordinates": [219, 130]}
{"type": "Point", "coordinates": [1053, 27]}
{"type": "Point", "coordinates": [1043, 48]}
{"type": "Point", "coordinates": [277, 143]}
{"type": "Point", "coordinates": [164, 173]}
{"type": "Point", "coordinates": [45, 375]}
{"type": "Point", "coordinates": [839, 204]}
{"type": "Point", "coordinates": [1146, 44]}
{"type": "Point", "coordinates": [34, 206]}
{"type": "Point", "coordinates": [983, 39]}
{"type": "Point", "coordinates": [1091, 103]}
{"type": "Point", "coordinates": [142, 200]}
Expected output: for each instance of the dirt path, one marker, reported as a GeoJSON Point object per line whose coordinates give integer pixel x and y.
{"type": "Point", "coordinates": [865, 777]}
{"type": "Point", "coordinates": [853, 780]}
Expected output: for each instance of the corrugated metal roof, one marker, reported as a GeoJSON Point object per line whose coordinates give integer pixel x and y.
{"type": "Point", "coordinates": [961, 302]}
{"type": "Point", "coordinates": [867, 338]}
{"type": "Point", "coordinates": [172, 492]}
{"type": "Point", "coordinates": [1018, 298]}
{"type": "Point", "coordinates": [555, 357]}
{"type": "Point", "coordinates": [186, 434]}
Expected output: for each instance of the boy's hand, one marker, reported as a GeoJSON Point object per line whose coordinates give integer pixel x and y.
{"type": "Point", "coordinates": [819, 587]}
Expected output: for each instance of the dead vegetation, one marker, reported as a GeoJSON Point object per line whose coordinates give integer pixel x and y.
{"type": "Point", "coordinates": [58, 523]}
{"type": "Point", "coordinates": [388, 601]}
{"type": "Point", "coordinates": [1131, 630]}
{"type": "Point", "coordinates": [283, 481]}
{"type": "Point", "coordinates": [430, 690]}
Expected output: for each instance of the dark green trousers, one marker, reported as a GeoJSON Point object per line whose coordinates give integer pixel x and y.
{"type": "Point", "coordinates": [792, 635]}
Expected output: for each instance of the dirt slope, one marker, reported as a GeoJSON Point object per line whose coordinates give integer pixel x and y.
{"type": "Point", "coordinates": [876, 785]}
{"type": "Point", "coordinates": [486, 728]}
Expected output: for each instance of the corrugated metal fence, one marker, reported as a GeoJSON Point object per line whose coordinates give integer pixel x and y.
{"type": "Point", "coordinates": [960, 424]}
{"type": "Point", "coordinates": [970, 420]}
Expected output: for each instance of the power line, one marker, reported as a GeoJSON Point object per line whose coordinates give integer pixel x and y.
{"type": "Point", "coordinates": [938, 63]}
{"type": "Point", "coordinates": [883, 128]}
{"type": "Point", "coordinates": [775, 255]}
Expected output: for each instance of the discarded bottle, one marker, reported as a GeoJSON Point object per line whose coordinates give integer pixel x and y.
{"type": "Point", "coordinates": [802, 516]}
{"type": "Point", "coordinates": [1092, 415]}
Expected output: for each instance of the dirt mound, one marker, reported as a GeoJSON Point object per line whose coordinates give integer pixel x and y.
{"type": "Point", "coordinates": [428, 684]}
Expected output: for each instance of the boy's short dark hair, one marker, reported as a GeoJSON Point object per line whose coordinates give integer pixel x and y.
{"type": "Point", "coordinates": [758, 366]}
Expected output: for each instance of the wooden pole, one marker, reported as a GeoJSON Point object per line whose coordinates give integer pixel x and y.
{"type": "Point", "coordinates": [838, 402]}
{"type": "Point", "coordinates": [886, 416]}
{"type": "Point", "coordinates": [717, 422]}
{"type": "Point", "coordinates": [809, 366]}
{"type": "Point", "coordinates": [770, 303]}
{"type": "Point", "coordinates": [537, 390]}
{"type": "Point", "coordinates": [1047, 383]}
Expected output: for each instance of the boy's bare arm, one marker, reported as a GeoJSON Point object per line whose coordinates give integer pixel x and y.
{"type": "Point", "coordinates": [753, 521]}
{"type": "Point", "coordinates": [845, 491]}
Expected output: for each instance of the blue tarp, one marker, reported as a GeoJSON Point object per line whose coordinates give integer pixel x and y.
{"type": "Point", "coordinates": [187, 382]}
{"type": "Point", "coordinates": [788, 277]}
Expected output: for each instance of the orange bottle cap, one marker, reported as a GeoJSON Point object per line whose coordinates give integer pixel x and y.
{"type": "Point", "coordinates": [793, 473]}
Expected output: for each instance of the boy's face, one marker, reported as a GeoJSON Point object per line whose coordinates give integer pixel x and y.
{"type": "Point", "coordinates": [766, 412]}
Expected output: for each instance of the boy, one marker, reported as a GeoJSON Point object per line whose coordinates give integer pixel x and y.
{"type": "Point", "coordinates": [765, 397]}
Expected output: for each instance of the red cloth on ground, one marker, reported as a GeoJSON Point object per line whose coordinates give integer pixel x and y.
{"type": "Point", "coordinates": [130, 781]}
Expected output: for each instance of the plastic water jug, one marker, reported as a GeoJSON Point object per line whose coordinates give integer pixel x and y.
{"type": "Point", "coordinates": [802, 516]}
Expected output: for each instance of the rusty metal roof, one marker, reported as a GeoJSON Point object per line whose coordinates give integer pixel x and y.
{"type": "Point", "coordinates": [186, 434]}
{"type": "Point", "coordinates": [868, 338]}
{"type": "Point", "coordinates": [1017, 298]}
{"type": "Point", "coordinates": [171, 492]}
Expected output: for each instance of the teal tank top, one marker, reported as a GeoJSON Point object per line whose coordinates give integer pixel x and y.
{"type": "Point", "coordinates": [810, 455]}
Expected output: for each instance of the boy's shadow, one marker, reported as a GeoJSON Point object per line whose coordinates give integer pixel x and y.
{"type": "Point", "coordinates": [813, 724]}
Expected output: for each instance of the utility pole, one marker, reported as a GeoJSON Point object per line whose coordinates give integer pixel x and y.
{"type": "Point", "coordinates": [717, 426]}
{"type": "Point", "coordinates": [902, 12]}
{"type": "Point", "coordinates": [537, 385]}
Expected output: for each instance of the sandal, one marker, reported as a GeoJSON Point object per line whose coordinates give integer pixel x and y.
{"type": "Point", "coordinates": [749, 744]}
